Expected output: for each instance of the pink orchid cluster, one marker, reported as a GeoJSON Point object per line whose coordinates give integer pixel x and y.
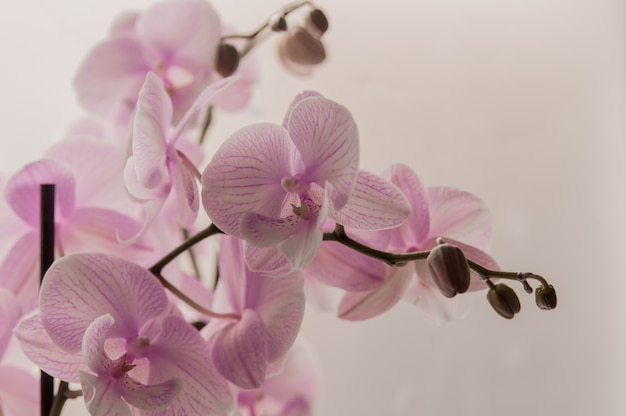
{"type": "Point", "coordinates": [145, 331]}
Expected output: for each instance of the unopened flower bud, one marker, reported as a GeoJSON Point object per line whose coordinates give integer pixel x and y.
{"type": "Point", "coordinates": [545, 296]}
{"type": "Point", "coordinates": [301, 48]}
{"type": "Point", "coordinates": [317, 21]}
{"type": "Point", "coordinates": [227, 59]}
{"type": "Point", "coordinates": [504, 300]}
{"type": "Point", "coordinates": [278, 23]}
{"type": "Point", "coordinates": [449, 269]}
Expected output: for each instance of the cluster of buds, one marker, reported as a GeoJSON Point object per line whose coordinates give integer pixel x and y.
{"type": "Point", "coordinates": [300, 49]}
{"type": "Point", "coordinates": [450, 271]}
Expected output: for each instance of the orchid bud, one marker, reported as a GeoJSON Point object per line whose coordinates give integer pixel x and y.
{"type": "Point", "coordinates": [545, 297]}
{"type": "Point", "coordinates": [317, 21]}
{"type": "Point", "coordinates": [504, 300]}
{"type": "Point", "coordinates": [301, 48]}
{"type": "Point", "coordinates": [449, 269]}
{"type": "Point", "coordinates": [278, 23]}
{"type": "Point", "coordinates": [227, 59]}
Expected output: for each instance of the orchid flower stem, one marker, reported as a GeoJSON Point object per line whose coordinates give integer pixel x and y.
{"type": "Point", "coordinates": [253, 37]}
{"type": "Point", "coordinates": [192, 256]}
{"type": "Point", "coordinates": [400, 259]}
{"type": "Point", "coordinates": [63, 394]}
{"type": "Point", "coordinates": [190, 242]}
{"type": "Point", "coordinates": [205, 126]}
{"type": "Point", "coordinates": [180, 295]}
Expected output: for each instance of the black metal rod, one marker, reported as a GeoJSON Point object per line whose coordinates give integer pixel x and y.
{"type": "Point", "coordinates": [46, 259]}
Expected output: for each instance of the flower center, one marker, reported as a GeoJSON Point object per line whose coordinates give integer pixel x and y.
{"type": "Point", "coordinates": [139, 347]}
{"type": "Point", "coordinates": [295, 184]}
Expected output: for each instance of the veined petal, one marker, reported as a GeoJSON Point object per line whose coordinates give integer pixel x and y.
{"type": "Point", "coordinates": [153, 116]}
{"type": "Point", "coordinates": [358, 306]}
{"type": "Point", "coordinates": [102, 396]}
{"type": "Point", "coordinates": [301, 96]}
{"type": "Point", "coordinates": [179, 351]}
{"type": "Point", "coordinates": [93, 344]}
{"type": "Point", "coordinates": [240, 351]}
{"type": "Point", "coordinates": [47, 355]}
{"type": "Point", "coordinates": [459, 215]}
{"type": "Point", "coordinates": [23, 190]}
{"type": "Point", "coordinates": [151, 397]}
{"type": "Point", "coordinates": [302, 247]}
{"type": "Point", "coordinates": [262, 231]}
{"type": "Point", "coordinates": [11, 312]}
{"type": "Point", "coordinates": [245, 176]}
{"type": "Point", "coordinates": [19, 270]}
{"type": "Point", "coordinates": [414, 231]}
{"type": "Point", "coordinates": [20, 395]}
{"type": "Point", "coordinates": [327, 139]}
{"type": "Point", "coordinates": [267, 260]}
{"type": "Point", "coordinates": [79, 288]}
{"type": "Point", "coordinates": [375, 204]}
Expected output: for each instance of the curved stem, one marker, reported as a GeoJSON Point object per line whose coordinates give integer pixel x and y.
{"type": "Point", "coordinates": [63, 394]}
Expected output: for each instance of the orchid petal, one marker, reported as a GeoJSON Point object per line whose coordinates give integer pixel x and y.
{"type": "Point", "coordinates": [301, 248]}
{"type": "Point", "coordinates": [152, 397]}
{"type": "Point", "coordinates": [111, 75]}
{"type": "Point", "coordinates": [23, 190]}
{"type": "Point", "coordinates": [47, 355]}
{"type": "Point", "coordinates": [186, 194]}
{"type": "Point", "coordinates": [267, 260]}
{"type": "Point", "coordinates": [262, 231]}
{"type": "Point", "coordinates": [102, 396]}
{"type": "Point", "coordinates": [150, 126]}
{"type": "Point", "coordinates": [179, 351]}
{"type": "Point", "coordinates": [415, 229]}
{"type": "Point", "coordinates": [93, 344]}
{"type": "Point", "coordinates": [240, 351]}
{"type": "Point", "coordinates": [20, 394]}
{"type": "Point", "coordinates": [327, 139]}
{"type": "Point", "coordinates": [339, 266]}
{"type": "Point", "coordinates": [358, 306]}
{"type": "Point", "coordinates": [375, 204]}
{"type": "Point", "coordinates": [459, 215]}
{"type": "Point", "coordinates": [79, 288]}
{"type": "Point", "coordinates": [301, 96]}
{"type": "Point", "coordinates": [11, 312]}
{"type": "Point", "coordinates": [19, 271]}
{"type": "Point", "coordinates": [245, 176]}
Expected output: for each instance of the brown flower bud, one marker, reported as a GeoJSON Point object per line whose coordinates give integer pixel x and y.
{"type": "Point", "coordinates": [278, 23]}
{"type": "Point", "coordinates": [545, 296]}
{"type": "Point", "coordinates": [504, 300]}
{"type": "Point", "coordinates": [301, 49]}
{"type": "Point", "coordinates": [317, 21]}
{"type": "Point", "coordinates": [227, 59]}
{"type": "Point", "coordinates": [449, 269]}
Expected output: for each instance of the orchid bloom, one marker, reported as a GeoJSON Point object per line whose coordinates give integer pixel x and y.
{"type": "Point", "coordinates": [158, 167]}
{"type": "Point", "coordinates": [91, 211]}
{"type": "Point", "coordinates": [181, 57]}
{"type": "Point", "coordinates": [273, 186]}
{"type": "Point", "coordinates": [270, 312]}
{"type": "Point", "coordinates": [105, 323]}
{"type": "Point", "coordinates": [373, 287]}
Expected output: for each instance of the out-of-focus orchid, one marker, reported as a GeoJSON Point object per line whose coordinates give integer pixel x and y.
{"type": "Point", "coordinates": [104, 322]}
{"type": "Point", "coordinates": [274, 185]}
{"type": "Point", "coordinates": [372, 287]}
{"type": "Point", "coordinates": [158, 167]}
{"type": "Point", "coordinates": [182, 57]}
{"type": "Point", "coordinates": [89, 210]}
{"type": "Point", "coordinates": [292, 392]}
{"type": "Point", "coordinates": [271, 311]}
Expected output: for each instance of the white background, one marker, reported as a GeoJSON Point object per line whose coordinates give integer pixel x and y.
{"type": "Point", "coordinates": [519, 102]}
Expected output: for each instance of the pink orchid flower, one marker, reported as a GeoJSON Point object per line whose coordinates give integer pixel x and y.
{"type": "Point", "coordinates": [104, 322]}
{"type": "Point", "coordinates": [271, 310]}
{"type": "Point", "coordinates": [18, 387]}
{"type": "Point", "coordinates": [373, 287]}
{"type": "Point", "coordinates": [273, 186]}
{"type": "Point", "coordinates": [182, 57]}
{"type": "Point", "coordinates": [91, 211]}
{"type": "Point", "coordinates": [292, 392]}
{"type": "Point", "coordinates": [158, 167]}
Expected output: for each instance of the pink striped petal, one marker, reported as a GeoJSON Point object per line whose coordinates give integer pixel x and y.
{"type": "Point", "coordinates": [19, 271]}
{"type": "Point", "coordinates": [301, 96]}
{"type": "Point", "coordinates": [267, 260]}
{"type": "Point", "coordinates": [102, 396]}
{"type": "Point", "coordinates": [240, 351]}
{"type": "Point", "coordinates": [152, 397]}
{"type": "Point", "coordinates": [93, 344]}
{"type": "Point", "coordinates": [459, 215]}
{"type": "Point", "coordinates": [177, 350]}
{"type": "Point", "coordinates": [375, 204]}
{"type": "Point", "coordinates": [262, 231]}
{"type": "Point", "coordinates": [79, 288]}
{"type": "Point", "coordinates": [11, 312]}
{"type": "Point", "coordinates": [41, 350]}
{"type": "Point", "coordinates": [327, 139]}
{"type": "Point", "coordinates": [359, 306]}
{"type": "Point", "coordinates": [153, 116]}
{"type": "Point", "coordinates": [23, 189]}
{"type": "Point", "coordinates": [18, 391]}
{"type": "Point", "coordinates": [245, 176]}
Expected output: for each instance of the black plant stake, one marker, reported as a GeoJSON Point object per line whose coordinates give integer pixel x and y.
{"type": "Point", "coordinates": [46, 259]}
